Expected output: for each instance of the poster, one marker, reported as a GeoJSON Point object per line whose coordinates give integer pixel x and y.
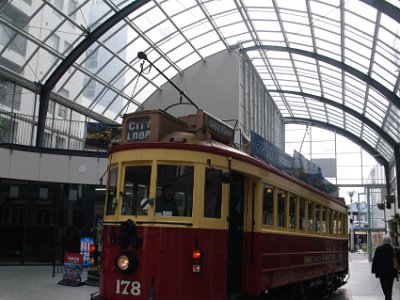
{"type": "Point", "coordinates": [72, 269]}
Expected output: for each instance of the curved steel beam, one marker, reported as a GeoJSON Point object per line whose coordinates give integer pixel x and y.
{"type": "Point", "coordinates": [343, 132]}
{"type": "Point", "coordinates": [385, 7]}
{"type": "Point", "coordinates": [72, 57]}
{"type": "Point", "coordinates": [346, 109]}
{"type": "Point", "coordinates": [391, 97]}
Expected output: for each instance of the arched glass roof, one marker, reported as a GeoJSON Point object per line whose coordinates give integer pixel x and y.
{"type": "Point", "coordinates": [331, 63]}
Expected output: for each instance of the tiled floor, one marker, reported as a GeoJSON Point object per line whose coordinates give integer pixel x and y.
{"type": "Point", "coordinates": [37, 283]}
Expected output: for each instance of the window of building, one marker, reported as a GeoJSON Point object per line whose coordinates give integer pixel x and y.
{"type": "Point", "coordinates": [15, 41]}
{"type": "Point", "coordinates": [60, 5]}
{"type": "Point", "coordinates": [10, 94]}
{"type": "Point", "coordinates": [51, 107]}
{"type": "Point", "coordinates": [268, 204]}
{"type": "Point", "coordinates": [174, 190]}
{"type": "Point", "coordinates": [60, 142]}
{"type": "Point", "coordinates": [47, 139]}
{"type": "Point", "coordinates": [135, 200]}
{"type": "Point", "coordinates": [72, 6]}
{"type": "Point", "coordinates": [54, 42]}
{"type": "Point", "coordinates": [62, 111]}
{"type": "Point", "coordinates": [91, 61]}
{"type": "Point", "coordinates": [67, 48]}
{"type": "Point", "coordinates": [212, 193]}
{"type": "Point", "coordinates": [90, 88]}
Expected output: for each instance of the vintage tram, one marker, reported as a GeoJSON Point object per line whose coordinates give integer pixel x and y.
{"type": "Point", "coordinates": [190, 216]}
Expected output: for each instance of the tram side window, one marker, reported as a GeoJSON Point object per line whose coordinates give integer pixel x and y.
{"type": "Point", "coordinates": [311, 216]}
{"type": "Point", "coordinates": [324, 220]}
{"type": "Point", "coordinates": [335, 222]}
{"type": "Point", "coordinates": [268, 204]}
{"type": "Point", "coordinates": [174, 190]}
{"type": "Point", "coordinates": [340, 224]}
{"type": "Point", "coordinates": [212, 193]}
{"type": "Point", "coordinates": [327, 215]}
{"type": "Point", "coordinates": [111, 195]}
{"type": "Point", "coordinates": [136, 190]}
{"type": "Point", "coordinates": [331, 221]}
{"type": "Point", "coordinates": [281, 195]}
{"type": "Point", "coordinates": [302, 214]}
{"type": "Point", "coordinates": [318, 218]}
{"type": "Point", "coordinates": [292, 210]}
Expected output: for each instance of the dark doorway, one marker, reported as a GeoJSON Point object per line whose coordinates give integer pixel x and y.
{"type": "Point", "coordinates": [235, 243]}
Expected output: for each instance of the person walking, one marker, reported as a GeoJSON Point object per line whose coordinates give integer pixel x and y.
{"type": "Point", "coordinates": [382, 266]}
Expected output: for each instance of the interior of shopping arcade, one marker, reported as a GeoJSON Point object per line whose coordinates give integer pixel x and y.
{"type": "Point", "coordinates": [316, 77]}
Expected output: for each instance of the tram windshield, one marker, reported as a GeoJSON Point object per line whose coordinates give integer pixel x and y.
{"type": "Point", "coordinates": [174, 190]}
{"type": "Point", "coordinates": [136, 190]}
{"type": "Point", "coordinates": [212, 193]}
{"type": "Point", "coordinates": [112, 191]}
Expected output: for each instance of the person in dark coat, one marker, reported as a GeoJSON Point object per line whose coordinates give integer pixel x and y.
{"type": "Point", "coordinates": [166, 202]}
{"type": "Point", "coordinates": [382, 266]}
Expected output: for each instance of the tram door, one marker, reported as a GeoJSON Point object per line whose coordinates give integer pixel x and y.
{"type": "Point", "coordinates": [235, 243]}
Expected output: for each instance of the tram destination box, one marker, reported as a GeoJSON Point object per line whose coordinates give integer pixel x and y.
{"type": "Point", "coordinates": [149, 126]}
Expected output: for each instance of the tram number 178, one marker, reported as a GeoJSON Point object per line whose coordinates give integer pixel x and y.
{"type": "Point", "coordinates": [126, 287]}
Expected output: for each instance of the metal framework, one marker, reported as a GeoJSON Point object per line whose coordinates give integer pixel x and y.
{"type": "Point", "coordinates": [322, 61]}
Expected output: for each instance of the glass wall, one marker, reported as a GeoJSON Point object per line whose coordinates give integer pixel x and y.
{"type": "Point", "coordinates": [40, 219]}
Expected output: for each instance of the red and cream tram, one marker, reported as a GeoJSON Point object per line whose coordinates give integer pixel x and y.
{"type": "Point", "coordinates": [189, 216]}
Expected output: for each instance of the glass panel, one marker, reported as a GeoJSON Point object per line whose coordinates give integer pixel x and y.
{"type": "Point", "coordinates": [292, 210]}
{"type": "Point", "coordinates": [212, 193]}
{"type": "Point", "coordinates": [281, 195]}
{"type": "Point", "coordinates": [111, 196]}
{"type": "Point", "coordinates": [174, 190]}
{"type": "Point", "coordinates": [318, 228]}
{"type": "Point", "coordinates": [324, 220]}
{"type": "Point", "coordinates": [136, 191]}
{"type": "Point", "coordinates": [302, 214]}
{"type": "Point", "coordinates": [311, 217]}
{"type": "Point", "coordinates": [268, 205]}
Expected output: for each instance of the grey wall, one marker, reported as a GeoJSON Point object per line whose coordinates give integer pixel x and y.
{"type": "Point", "coordinates": [213, 85]}
{"type": "Point", "coordinates": [16, 164]}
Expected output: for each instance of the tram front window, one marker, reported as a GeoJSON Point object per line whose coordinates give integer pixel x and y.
{"type": "Point", "coordinates": [111, 195]}
{"type": "Point", "coordinates": [136, 190]}
{"type": "Point", "coordinates": [212, 193]}
{"type": "Point", "coordinates": [174, 190]}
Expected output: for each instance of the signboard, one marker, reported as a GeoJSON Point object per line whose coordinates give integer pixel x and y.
{"type": "Point", "coordinates": [266, 151]}
{"type": "Point", "coordinates": [72, 269]}
{"type": "Point", "coordinates": [218, 127]}
{"type": "Point", "coordinates": [138, 129]}
{"type": "Point", "coordinates": [101, 135]}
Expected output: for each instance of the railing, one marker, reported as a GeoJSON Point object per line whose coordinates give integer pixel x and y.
{"type": "Point", "coordinates": [59, 133]}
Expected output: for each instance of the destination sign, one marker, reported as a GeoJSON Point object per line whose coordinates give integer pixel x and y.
{"type": "Point", "coordinates": [138, 129]}
{"type": "Point", "coordinates": [219, 127]}
{"type": "Point", "coordinates": [268, 152]}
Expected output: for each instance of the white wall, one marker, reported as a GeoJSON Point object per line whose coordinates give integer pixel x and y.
{"type": "Point", "coordinates": [24, 165]}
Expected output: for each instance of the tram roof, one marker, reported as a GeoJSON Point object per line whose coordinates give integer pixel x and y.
{"type": "Point", "coordinates": [328, 63]}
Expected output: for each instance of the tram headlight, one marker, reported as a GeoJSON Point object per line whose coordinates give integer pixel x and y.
{"type": "Point", "coordinates": [127, 262]}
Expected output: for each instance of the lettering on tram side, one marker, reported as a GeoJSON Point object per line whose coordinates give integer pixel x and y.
{"type": "Point", "coordinates": [314, 259]}
{"type": "Point", "coordinates": [138, 129]}
{"type": "Point", "coordinates": [127, 287]}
